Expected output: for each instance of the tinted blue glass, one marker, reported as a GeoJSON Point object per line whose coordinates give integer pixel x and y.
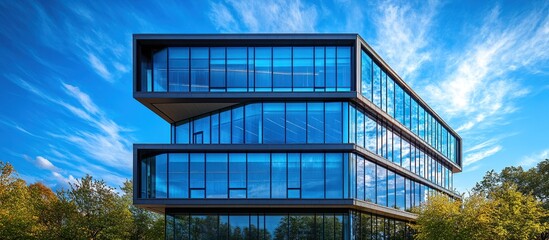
{"type": "Point", "coordinates": [251, 69]}
{"type": "Point", "coordinates": [360, 128]}
{"type": "Point", "coordinates": [370, 134]}
{"type": "Point", "coordinates": [239, 226]}
{"type": "Point", "coordinates": [215, 129]}
{"type": "Point", "coordinates": [320, 71]}
{"type": "Point", "coordinates": [405, 151]}
{"type": "Point", "coordinates": [273, 123]}
{"type": "Point", "coordinates": [408, 194]}
{"type": "Point", "coordinates": [334, 175]}
{"type": "Point", "coordinates": [237, 170]}
{"type": "Point", "coordinates": [397, 157]}
{"type": "Point", "coordinates": [366, 70]}
{"type": "Point", "coordinates": [160, 72]}
{"type": "Point", "coordinates": [263, 68]}
{"type": "Point", "coordinates": [407, 112]}
{"type": "Point", "coordinates": [334, 132]}
{"type": "Point", "coordinates": [382, 140]}
{"type": "Point", "coordinates": [376, 86]}
{"type": "Point", "coordinates": [199, 69]}
{"type": "Point", "coordinates": [182, 133]}
{"type": "Point", "coordinates": [161, 175]}
{"type": "Point", "coordinates": [343, 68]}
{"type": "Point", "coordinates": [201, 130]}
{"type": "Point", "coordinates": [399, 192]}
{"type": "Point", "coordinates": [181, 227]}
{"type": "Point", "coordinates": [238, 125]}
{"type": "Point", "coordinates": [414, 116]}
{"type": "Point", "coordinates": [197, 169]}
{"type": "Point", "coordinates": [278, 168]}
{"type": "Point", "coordinates": [294, 170]}
{"type": "Point", "coordinates": [294, 193]}
{"type": "Point", "coordinates": [217, 69]}
{"type": "Point", "coordinates": [345, 115]}
{"type": "Point", "coordinates": [225, 127]}
{"type": "Point", "coordinates": [179, 175]}
{"type": "Point", "coordinates": [360, 178]}
{"type": "Point", "coordinates": [236, 69]}
{"type": "Point", "coordinates": [282, 69]}
{"type": "Point", "coordinates": [237, 193]}
{"type": "Point", "coordinates": [253, 123]}
{"type": "Point", "coordinates": [179, 69]}
{"type": "Point", "coordinates": [389, 145]}
{"type": "Point", "coordinates": [399, 104]}
{"type": "Point", "coordinates": [353, 128]}
{"type": "Point", "coordinates": [216, 175]}
{"type": "Point", "coordinates": [390, 97]}
{"type": "Point", "coordinates": [330, 69]}
{"type": "Point", "coordinates": [259, 175]}
{"type": "Point", "coordinates": [381, 176]}
{"type": "Point", "coordinates": [274, 225]}
{"type": "Point", "coordinates": [303, 69]}
{"type": "Point", "coordinates": [315, 122]}
{"type": "Point", "coordinates": [296, 122]}
{"type": "Point", "coordinates": [370, 181]}
{"type": "Point", "coordinates": [421, 122]}
{"type": "Point", "coordinates": [391, 189]}
{"type": "Point", "coordinates": [312, 172]}
{"type": "Point", "coordinates": [383, 91]}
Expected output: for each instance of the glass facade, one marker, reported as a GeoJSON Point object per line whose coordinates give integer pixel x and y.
{"type": "Point", "coordinates": [248, 69]}
{"type": "Point", "coordinates": [277, 175]}
{"type": "Point", "coordinates": [361, 157]}
{"type": "Point", "coordinates": [389, 96]}
{"type": "Point", "coordinates": [320, 225]}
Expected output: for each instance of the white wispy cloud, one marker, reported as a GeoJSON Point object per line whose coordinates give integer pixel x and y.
{"type": "Point", "coordinates": [403, 35]}
{"type": "Point", "coordinates": [99, 67]}
{"type": "Point", "coordinates": [531, 160]}
{"type": "Point", "coordinates": [479, 155]}
{"type": "Point", "coordinates": [44, 163]}
{"type": "Point", "coordinates": [479, 91]}
{"type": "Point", "coordinates": [264, 16]}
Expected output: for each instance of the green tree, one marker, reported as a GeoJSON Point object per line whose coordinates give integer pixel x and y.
{"type": "Point", "coordinates": [504, 213]}
{"type": "Point", "coordinates": [145, 224]}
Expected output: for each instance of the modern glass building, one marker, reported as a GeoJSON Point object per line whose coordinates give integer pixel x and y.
{"type": "Point", "coordinates": [285, 136]}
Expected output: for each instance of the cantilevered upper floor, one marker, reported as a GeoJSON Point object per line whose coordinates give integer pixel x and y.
{"type": "Point", "coordinates": [183, 77]}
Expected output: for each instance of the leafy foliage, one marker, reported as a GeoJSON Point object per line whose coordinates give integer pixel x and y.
{"type": "Point", "coordinates": [89, 209]}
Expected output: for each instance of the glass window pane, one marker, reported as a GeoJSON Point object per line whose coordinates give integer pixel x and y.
{"type": "Point", "coordinates": [390, 97]}
{"type": "Point", "coordinates": [182, 133]}
{"type": "Point", "coordinates": [330, 69]}
{"type": "Point", "coordinates": [399, 104]}
{"type": "Point", "coordinates": [199, 69]}
{"type": "Point", "coordinates": [294, 170]}
{"type": "Point", "coordinates": [273, 123]}
{"type": "Point", "coordinates": [360, 128]}
{"type": "Point", "coordinates": [239, 225]}
{"type": "Point", "coordinates": [303, 79]}
{"type": "Point", "coordinates": [237, 170]}
{"type": "Point", "coordinates": [197, 169]}
{"type": "Point", "coordinates": [253, 123]}
{"type": "Point", "coordinates": [407, 111]}
{"type": "Point", "coordinates": [315, 122]}
{"type": "Point", "coordinates": [263, 65]}
{"type": "Point", "coordinates": [312, 171]}
{"type": "Point", "coordinates": [282, 69]}
{"type": "Point", "coordinates": [343, 68]}
{"type": "Point", "coordinates": [215, 129]}
{"type": "Point", "coordinates": [383, 91]}
{"type": "Point", "coordinates": [360, 178]}
{"type": "Point", "coordinates": [296, 118]}
{"type": "Point", "coordinates": [201, 130]}
{"type": "Point", "coordinates": [236, 69]}
{"type": "Point", "coordinates": [238, 125]}
{"type": "Point", "coordinates": [161, 175]}
{"type": "Point", "coordinates": [216, 175]}
{"type": "Point", "coordinates": [334, 133]}
{"type": "Point", "coordinates": [225, 127]}
{"type": "Point", "coordinates": [279, 175]}
{"type": "Point", "coordinates": [370, 135]}
{"type": "Point", "coordinates": [366, 83]}
{"type": "Point", "coordinates": [391, 201]}
{"type": "Point", "coordinates": [160, 72]}
{"type": "Point", "coordinates": [275, 227]}
{"type": "Point", "coordinates": [251, 69]}
{"type": "Point", "coordinates": [376, 94]}
{"type": "Point", "coordinates": [179, 175]}
{"type": "Point", "coordinates": [381, 185]}
{"type": "Point", "coordinates": [259, 175]}
{"type": "Point", "coordinates": [399, 192]}
{"type": "Point", "coordinates": [202, 226]}
{"type": "Point", "coordinates": [179, 69]}
{"type": "Point", "coordinates": [334, 175]}
{"type": "Point", "coordinates": [320, 72]}
{"type": "Point", "coordinates": [370, 181]}
{"type": "Point", "coordinates": [217, 69]}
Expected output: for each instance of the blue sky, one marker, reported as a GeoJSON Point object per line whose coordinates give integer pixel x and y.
{"type": "Point", "coordinates": [66, 107]}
